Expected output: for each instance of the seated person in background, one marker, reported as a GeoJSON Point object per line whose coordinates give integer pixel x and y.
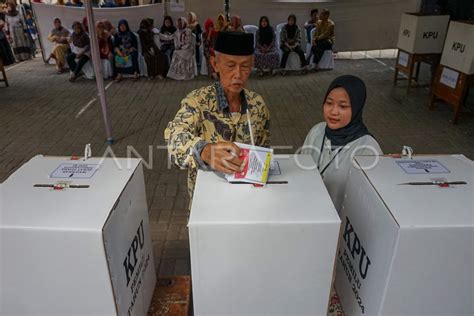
{"type": "Point", "coordinates": [235, 24]}
{"type": "Point", "coordinates": [74, 3]}
{"type": "Point", "coordinates": [196, 29]}
{"type": "Point", "coordinates": [221, 23]}
{"type": "Point", "coordinates": [109, 4]}
{"type": "Point", "coordinates": [183, 64]}
{"type": "Point", "coordinates": [335, 142]}
{"type": "Point", "coordinates": [126, 52]}
{"type": "Point", "coordinates": [106, 46]}
{"type": "Point", "coordinates": [59, 36]}
{"type": "Point", "coordinates": [210, 119]}
{"type": "Point", "coordinates": [311, 24]}
{"type": "Point", "coordinates": [109, 28]}
{"type": "Point", "coordinates": [80, 50]}
{"type": "Point", "coordinates": [167, 37]}
{"type": "Point", "coordinates": [209, 40]}
{"type": "Point", "coordinates": [6, 53]}
{"type": "Point", "coordinates": [290, 41]}
{"type": "Point", "coordinates": [267, 57]}
{"type": "Point", "coordinates": [156, 62]}
{"type": "Point", "coordinates": [324, 37]}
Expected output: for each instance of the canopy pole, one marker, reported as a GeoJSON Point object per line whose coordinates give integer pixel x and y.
{"type": "Point", "coordinates": [99, 78]}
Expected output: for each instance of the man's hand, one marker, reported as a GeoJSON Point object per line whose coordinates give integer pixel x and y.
{"type": "Point", "coordinates": [223, 157]}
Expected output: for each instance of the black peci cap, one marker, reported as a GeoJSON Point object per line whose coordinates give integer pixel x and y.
{"type": "Point", "coordinates": [235, 43]}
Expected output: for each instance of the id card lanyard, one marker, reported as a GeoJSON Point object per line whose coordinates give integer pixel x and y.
{"type": "Point", "coordinates": [321, 153]}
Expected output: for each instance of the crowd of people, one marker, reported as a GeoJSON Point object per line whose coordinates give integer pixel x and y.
{"type": "Point", "coordinates": [17, 34]}
{"type": "Point", "coordinates": [178, 49]}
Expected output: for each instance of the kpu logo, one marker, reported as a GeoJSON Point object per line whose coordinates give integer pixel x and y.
{"type": "Point", "coordinates": [130, 261]}
{"type": "Point", "coordinates": [428, 35]}
{"type": "Point", "coordinates": [356, 249]}
{"type": "Point", "coordinates": [406, 33]}
{"type": "Point", "coordinates": [458, 47]}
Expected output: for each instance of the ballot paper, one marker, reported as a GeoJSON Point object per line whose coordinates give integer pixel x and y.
{"type": "Point", "coordinates": [257, 164]}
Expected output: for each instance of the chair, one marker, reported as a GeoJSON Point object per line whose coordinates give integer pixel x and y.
{"type": "Point", "coordinates": [2, 69]}
{"type": "Point", "coordinates": [327, 61]}
{"type": "Point", "coordinates": [293, 62]}
{"type": "Point", "coordinates": [251, 29]}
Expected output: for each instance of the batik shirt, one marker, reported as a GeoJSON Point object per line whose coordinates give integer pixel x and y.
{"type": "Point", "coordinates": [205, 117]}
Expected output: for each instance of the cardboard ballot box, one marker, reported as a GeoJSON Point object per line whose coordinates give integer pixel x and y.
{"type": "Point", "coordinates": [422, 34]}
{"type": "Point", "coordinates": [263, 251]}
{"type": "Point", "coordinates": [81, 248]}
{"type": "Point", "coordinates": [407, 249]}
{"type": "Point", "coordinates": [458, 52]}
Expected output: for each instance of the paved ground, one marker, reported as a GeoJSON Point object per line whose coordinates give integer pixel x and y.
{"type": "Point", "coordinates": [43, 113]}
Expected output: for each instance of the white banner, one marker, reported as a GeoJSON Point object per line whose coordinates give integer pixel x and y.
{"type": "Point", "coordinates": [45, 14]}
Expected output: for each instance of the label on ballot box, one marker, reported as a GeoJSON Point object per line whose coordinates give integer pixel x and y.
{"type": "Point", "coordinates": [257, 164]}
{"type": "Point", "coordinates": [403, 59]}
{"type": "Point", "coordinates": [449, 77]}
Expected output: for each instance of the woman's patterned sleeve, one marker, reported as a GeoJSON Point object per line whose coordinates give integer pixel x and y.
{"type": "Point", "coordinates": [180, 134]}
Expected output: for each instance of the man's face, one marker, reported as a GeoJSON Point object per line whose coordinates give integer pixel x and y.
{"type": "Point", "coordinates": [314, 16]}
{"type": "Point", "coordinates": [57, 24]}
{"type": "Point", "coordinates": [324, 16]}
{"type": "Point", "coordinates": [233, 71]}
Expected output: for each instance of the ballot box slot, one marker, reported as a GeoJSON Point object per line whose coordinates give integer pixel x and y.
{"type": "Point", "coordinates": [61, 186]}
{"type": "Point", "coordinates": [257, 185]}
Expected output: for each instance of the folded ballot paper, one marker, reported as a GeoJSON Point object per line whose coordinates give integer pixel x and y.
{"type": "Point", "coordinates": [257, 164]}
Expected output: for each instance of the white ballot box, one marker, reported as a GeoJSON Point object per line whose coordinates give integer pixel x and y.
{"type": "Point", "coordinates": [422, 34]}
{"type": "Point", "coordinates": [263, 251]}
{"type": "Point", "coordinates": [80, 248]}
{"type": "Point", "coordinates": [458, 52]}
{"type": "Point", "coordinates": [407, 238]}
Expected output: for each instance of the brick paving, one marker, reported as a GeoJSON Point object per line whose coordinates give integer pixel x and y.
{"type": "Point", "coordinates": [39, 115]}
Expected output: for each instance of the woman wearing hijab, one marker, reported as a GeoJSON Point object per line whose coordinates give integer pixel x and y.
{"type": "Point", "coordinates": [235, 24]}
{"type": "Point", "coordinates": [156, 62]}
{"type": "Point", "coordinates": [266, 54]}
{"type": "Point", "coordinates": [221, 24]}
{"type": "Point", "coordinates": [125, 52]}
{"type": "Point", "coordinates": [59, 36]}
{"type": "Point", "coordinates": [109, 28]}
{"type": "Point", "coordinates": [290, 41]}
{"type": "Point", "coordinates": [167, 37]}
{"type": "Point", "coordinates": [6, 54]}
{"type": "Point", "coordinates": [17, 35]}
{"type": "Point", "coordinates": [209, 40]}
{"type": "Point", "coordinates": [335, 142]}
{"type": "Point", "coordinates": [196, 29]}
{"type": "Point", "coordinates": [80, 50]}
{"type": "Point", "coordinates": [106, 46]}
{"type": "Point", "coordinates": [183, 64]}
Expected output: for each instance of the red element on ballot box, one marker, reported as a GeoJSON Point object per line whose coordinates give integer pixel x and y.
{"type": "Point", "coordinates": [244, 154]}
{"type": "Point", "coordinates": [75, 158]}
{"type": "Point", "coordinates": [444, 185]}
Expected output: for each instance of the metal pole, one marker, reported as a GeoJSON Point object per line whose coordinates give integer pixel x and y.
{"type": "Point", "coordinates": [99, 78]}
{"type": "Point", "coordinates": [227, 9]}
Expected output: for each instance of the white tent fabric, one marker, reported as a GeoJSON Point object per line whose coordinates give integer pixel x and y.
{"type": "Point", "coordinates": [45, 14]}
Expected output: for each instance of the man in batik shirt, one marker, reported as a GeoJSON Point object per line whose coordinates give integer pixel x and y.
{"type": "Point", "coordinates": [211, 119]}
